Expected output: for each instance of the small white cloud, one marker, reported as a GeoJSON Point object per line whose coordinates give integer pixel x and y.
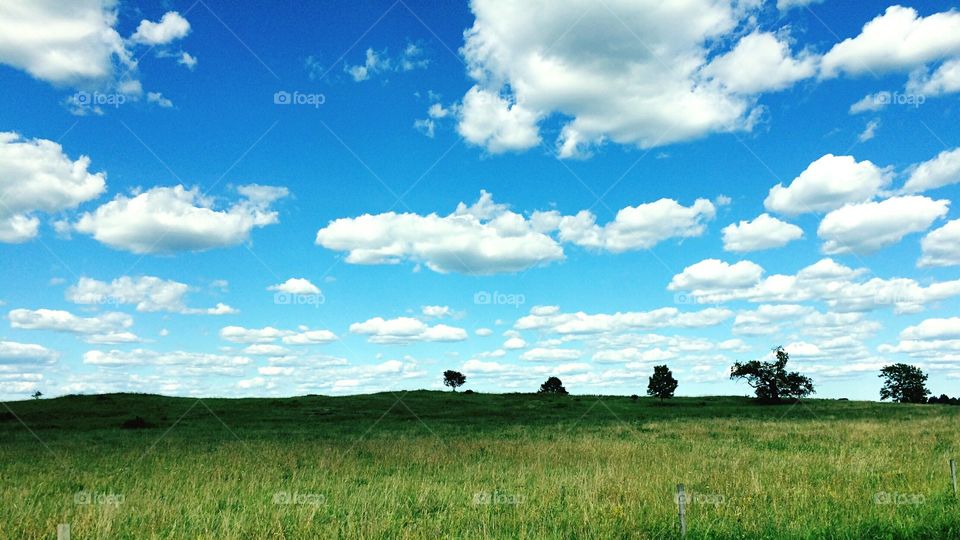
{"type": "Point", "coordinates": [870, 131]}
{"type": "Point", "coordinates": [828, 183]}
{"type": "Point", "coordinates": [295, 286]}
{"type": "Point", "coordinates": [943, 170]}
{"type": "Point", "coordinates": [171, 27]}
{"type": "Point", "coordinates": [764, 232]}
{"type": "Point", "coordinates": [711, 274]}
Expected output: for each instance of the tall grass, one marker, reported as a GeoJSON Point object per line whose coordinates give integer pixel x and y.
{"type": "Point", "coordinates": [443, 466]}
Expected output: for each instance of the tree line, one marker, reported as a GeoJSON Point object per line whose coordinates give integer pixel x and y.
{"type": "Point", "coordinates": [770, 380]}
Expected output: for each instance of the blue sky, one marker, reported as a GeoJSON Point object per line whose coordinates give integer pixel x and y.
{"type": "Point", "coordinates": [328, 198]}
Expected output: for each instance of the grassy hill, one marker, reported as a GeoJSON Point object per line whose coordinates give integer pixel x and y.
{"type": "Point", "coordinates": [438, 464]}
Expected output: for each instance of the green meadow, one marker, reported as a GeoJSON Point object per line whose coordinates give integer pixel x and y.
{"type": "Point", "coordinates": [454, 465]}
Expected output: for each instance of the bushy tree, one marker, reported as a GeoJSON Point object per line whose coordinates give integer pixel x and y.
{"type": "Point", "coordinates": [553, 385]}
{"type": "Point", "coordinates": [662, 384]}
{"type": "Point", "coordinates": [904, 383]}
{"type": "Point", "coordinates": [770, 380]}
{"type": "Point", "coordinates": [37, 395]}
{"type": "Point", "coordinates": [453, 379]}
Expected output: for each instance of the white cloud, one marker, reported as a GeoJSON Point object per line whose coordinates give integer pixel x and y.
{"type": "Point", "coordinates": [310, 337]}
{"type": "Point", "coordinates": [485, 238]}
{"type": "Point", "coordinates": [37, 176]}
{"type": "Point", "coordinates": [12, 352]}
{"type": "Point", "coordinates": [148, 293]}
{"type": "Point", "coordinates": [171, 27]}
{"type": "Point", "coordinates": [942, 246]}
{"type": "Point", "coordinates": [157, 97]}
{"type": "Point", "coordinates": [581, 323]}
{"type": "Point", "coordinates": [62, 42]}
{"type": "Point", "coordinates": [899, 39]}
{"type": "Point", "coordinates": [380, 62]}
{"type": "Point", "coordinates": [627, 71]}
{"type": "Point", "coordinates": [872, 103]}
{"type": "Point", "coordinates": [189, 361]}
{"type": "Point", "coordinates": [869, 131]}
{"type": "Point", "coordinates": [761, 62]}
{"type": "Point", "coordinates": [940, 171]}
{"type": "Point", "coordinates": [483, 332]}
{"type": "Point", "coordinates": [868, 227]}
{"type": "Point", "coordinates": [239, 334]}
{"type": "Point", "coordinates": [638, 227]}
{"type": "Point", "coordinates": [295, 286]}
{"type": "Point", "coordinates": [166, 220]}
{"type": "Point", "coordinates": [785, 5]}
{"type": "Point", "coordinates": [541, 354]}
{"type": "Point", "coordinates": [764, 232]}
{"type": "Point", "coordinates": [105, 328]}
{"type": "Point", "coordinates": [931, 329]}
{"type": "Point", "coordinates": [944, 80]}
{"type": "Point", "coordinates": [514, 343]}
{"type": "Point", "coordinates": [436, 311]}
{"type": "Point", "coordinates": [710, 274]}
{"type": "Point", "coordinates": [265, 349]}
{"type": "Point", "coordinates": [766, 318]}
{"type": "Point", "coordinates": [406, 330]}
{"type": "Point", "coordinates": [186, 59]}
{"type": "Point", "coordinates": [828, 183]}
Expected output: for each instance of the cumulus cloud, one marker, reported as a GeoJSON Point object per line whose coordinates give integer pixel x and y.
{"type": "Point", "coordinates": [868, 227]}
{"type": "Point", "coordinates": [931, 329]}
{"type": "Point", "coordinates": [630, 72]}
{"type": "Point", "coordinates": [638, 227]}
{"type": "Point", "coordinates": [105, 328]}
{"type": "Point", "coordinates": [436, 311]}
{"type": "Point", "coordinates": [295, 286]}
{"type": "Point", "coordinates": [266, 335]}
{"type": "Point", "coordinates": [380, 62]}
{"type": "Point", "coordinates": [943, 170]}
{"type": "Point", "coordinates": [541, 354]}
{"type": "Point", "coordinates": [872, 103]}
{"type": "Point", "coordinates": [899, 39]}
{"type": "Point", "coordinates": [12, 352]}
{"type": "Point", "coordinates": [406, 330]}
{"type": "Point", "coordinates": [37, 176]}
{"type": "Point", "coordinates": [942, 246]}
{"type": "Point", "coordinates": [764, 232]}
{"type": "Point", "coordinates": [147, 293]}
{"type": "Point", "coordinates": [165, 220]}
{"type": "Point", "coordinates": [828, 183]}
{"type": "Point", "coordinates": [711, 274]}
{"type": "Point", "coordinates": [785, 5]}
{"type": "Point", "coordinates": [943, 80]}
{"type": "Point", "coordinates": [485, 238]}
{"type": "Point", "coordinates": [761, 62]}
{"type": "Point", "coordinates": [189, 361]}
{"type": "Point", "coordinates": [171, 27]}
{"type": "Point", "coordinates": [583, 324]}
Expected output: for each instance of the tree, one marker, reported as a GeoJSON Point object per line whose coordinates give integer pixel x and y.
{"type": "Point", "coordinates": [770, 380]}
{"type": "Point", "coordinates": [553, 385]}
{"type": "Point", "coordinates": [37, 395]}
{"type": "Point", "coordinates": [662, 384]}
{"type": "Point", "coordinates": [904, 383]}
{"type": "Point", "coordinates": [453, 379]}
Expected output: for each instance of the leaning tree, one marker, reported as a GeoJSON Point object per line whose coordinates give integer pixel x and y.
{"type": "Point", "coordinates": [770, 380]}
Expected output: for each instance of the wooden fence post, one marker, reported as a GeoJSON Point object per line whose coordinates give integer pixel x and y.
{"type": "Point", "coordinates": [63, 531]}
{"type": "Point", "coordinates": [953, 475]}
{"type": "Point", "coordinates": [682, 504]}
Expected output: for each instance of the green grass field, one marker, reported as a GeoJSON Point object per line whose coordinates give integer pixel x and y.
{"type": "Point", "coordinates": [443, 465]}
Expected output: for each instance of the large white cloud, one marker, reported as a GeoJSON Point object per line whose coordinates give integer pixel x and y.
{"type": "Point", "coordinates": [629, 71]}
{"type": "Point", "coordinates": [933, 329]}
{"type": "Point", "coordinates": [943, 170]}
{"type": "Point", "coordinates": [147, 293]}
{"type": "Point", "coordinates": [406, 330]}
{"type": "Point", "coordinates": [12, 352]}
{"type": "Point", "coordinates": [942, 246]}
{"type": "Point", "coordinates": [899, 39]}
{"type": "Point", "coordinates": [638, 227]}
{"type": "Point", "coordinates": [37, 176]}
{"type": "Point", "coordinates": [764, 232]}
{"type": "Point", "coordinates": [485, 238]}
{"type": "Point", "coordinates": [761, 62]}
{"type": "Point", "coordinates": [110, 327]}
{"type": "Point", "coordinates": [165, 220]}
{"type": "Point", "coordinates": [868, 227]}
{"type": "Point", "coordinates": [828, 183]}
{"type": "Point", "coordinates": [716, 274]}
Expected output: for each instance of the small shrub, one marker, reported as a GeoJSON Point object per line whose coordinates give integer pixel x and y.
{"type": "Point", "coordinates": [634, 397]}
{"type": "Point", "coordinates": [137, 423]}
{"type": "Point", "coordinates": [469, 392]}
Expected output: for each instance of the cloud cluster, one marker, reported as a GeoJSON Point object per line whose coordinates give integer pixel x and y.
{"type": "Point", "coordinates": [112, 327]}
{"type": "Point", "coordinates": [147, 293]}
